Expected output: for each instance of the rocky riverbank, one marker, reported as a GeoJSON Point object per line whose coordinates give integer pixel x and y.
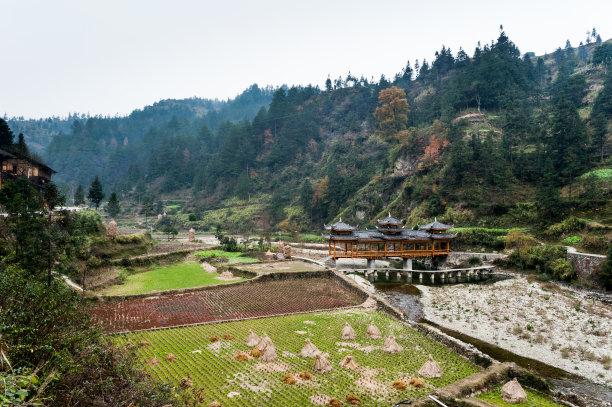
{"type": "Point", "coordinates": [558, 326]}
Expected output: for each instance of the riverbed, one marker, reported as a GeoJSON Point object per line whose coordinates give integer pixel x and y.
{"type": "Point", "coordinates": [558, 332]}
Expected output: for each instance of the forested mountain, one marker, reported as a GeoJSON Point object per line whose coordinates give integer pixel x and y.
{"type": "Point", "coordinates": [495, 133]}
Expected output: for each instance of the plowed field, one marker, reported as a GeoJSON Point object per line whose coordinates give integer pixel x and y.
{"type": "Point", "coordinates": [224, 303]}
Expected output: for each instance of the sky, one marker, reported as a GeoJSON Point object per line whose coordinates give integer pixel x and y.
{"type": "Point", "coordinates": [109, 57]}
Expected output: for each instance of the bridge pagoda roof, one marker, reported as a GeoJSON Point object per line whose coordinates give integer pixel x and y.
{"type": "Point", "coordinates": [435, 225]}
{"type": "Point", "coordinates": [340, 226]}
{"type": "Point", "coordinates": [390, 220]}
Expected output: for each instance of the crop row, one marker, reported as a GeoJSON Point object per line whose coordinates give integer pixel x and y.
{"type": "Point", "coordinates": [224, 303]}
{"type": "Point", "coordinates": [213, 367]}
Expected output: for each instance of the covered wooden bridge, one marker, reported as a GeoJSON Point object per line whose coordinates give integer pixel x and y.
{"type": "Point", "coordinates": [390, 239]}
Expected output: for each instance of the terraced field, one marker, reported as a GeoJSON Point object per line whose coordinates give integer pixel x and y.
{"type": "Point", "coordinates": [224, 303]}
{"type": "Point", "coordinates": [188, 353]}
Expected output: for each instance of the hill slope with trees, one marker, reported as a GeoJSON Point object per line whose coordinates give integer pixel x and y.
{"type": "Point", "coordinates": [496, 138]}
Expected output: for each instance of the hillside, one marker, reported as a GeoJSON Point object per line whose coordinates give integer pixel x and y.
{"type": "Point", "coordinates": [496, 138]}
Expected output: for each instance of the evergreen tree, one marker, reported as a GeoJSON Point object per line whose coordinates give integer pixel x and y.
{"type": "Point", "coordinates": [567, 147]}
{"type": "Point", "coordinates": [6, 134]}
{"type": "Point", "coordinates": [79, 196]}
{"type": "Point", "coordinates": [147, 209]}
{"type": "Point", "coordinates": [96, 192]}
{"type": "Point", "coordinates": [21, 147]}
{"type": "Point", "coordinates": [112, 207]}
{"type": "Point", "coordinates": [242, 186]}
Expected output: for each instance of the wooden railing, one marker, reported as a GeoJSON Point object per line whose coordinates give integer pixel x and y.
{"type": "Point", "coordinates": [372, 254]}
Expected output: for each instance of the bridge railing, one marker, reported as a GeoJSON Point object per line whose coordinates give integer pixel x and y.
{"type": "Point", "coordinates": [372, 254]}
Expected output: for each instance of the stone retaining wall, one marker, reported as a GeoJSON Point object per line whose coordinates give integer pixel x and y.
{"type": "Point", "coordinates": [586, 265]}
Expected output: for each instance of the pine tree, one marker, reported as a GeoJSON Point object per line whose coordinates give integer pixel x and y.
{"type": "Point", "coordinates": [6, 134]}
{"type": "Point", "coordinates": [96, 192]}
{"type": "Point", "coordinates": [21, 148]}
{"type": "Point", "coordinates": [147, 209]}
{"type": "Point", "coordinates": [112, 207]}
{"type": "Point", "coordinates": [79, 196]}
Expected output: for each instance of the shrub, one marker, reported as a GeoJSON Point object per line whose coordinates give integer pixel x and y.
{"type": "Point", "coordinates": [475, 261]}
{"type": "Point", "coordinates": [605, 272]}
{"type": "Point", "coordinates": [597, 244]}
{"type": "Point", "coordinates": [468, 238]}
{"type": "Point", "coordinates": [572, 239]}
{"type": "Point", "coordinates": [571, 224]}
{"type": "Point", "coordinates": [192, 217]}
{"type": "Point", "coordinates": [43, 327]}
{"type": "Point", "coordinates": [562, 269]}
{"type": "Point", "coordinates": [538, 258]}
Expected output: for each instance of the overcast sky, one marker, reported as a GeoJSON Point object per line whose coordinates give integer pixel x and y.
{"type": "Point", "coordinates": [112, 56]}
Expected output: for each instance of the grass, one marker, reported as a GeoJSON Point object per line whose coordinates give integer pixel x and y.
{"type": "Point", "coordinates": [215, 369]}
{"type": "Point", "coordinates": [603, 173]}
{"type": "Point", "coordinates": [166, 278]}
{"type": "Point", "coordinates": [232, 257]}
{"type": "Point", "coordinates": [572, 239]}
{"type": "Point", "coordinates": [534, 399]}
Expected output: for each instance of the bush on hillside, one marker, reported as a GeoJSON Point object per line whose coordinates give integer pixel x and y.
{"type": "Point", "coordinates": [540, 259]}
{"type": "Point", "coordinates": [568, 225]}
{"type": "Point", "coordinates": [43, 329]}
{"type": "Point", "coordinates": [477, 238]}
{"type": "Point", "coordinates": [605, 272]}
{"type": "Point", "coordinates": [562, 269]}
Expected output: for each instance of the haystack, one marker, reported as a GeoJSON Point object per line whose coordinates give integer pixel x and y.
{"type": "Point", "coordinates": [226, 275]}
{"type": "Point", "coordinates": [111, 230]}
{"type": "Point", "coordinates": [348, 332]}
{"type": "Point", "coordinates": [309, 350]}
{"type": "Point", "coordinates": [214, 404]}
{"type": "Point", "coordinates": [191, 236]}
{"type": "Point", "coordinates": [252, 339]}
{"type": "Point", "coordinates": [349, 363]}
{"type": "Point", "coordinates": [264, 343]}
{"type": "Point", "coordinates": [391, 345]}
{"type": "Point", "coordinates": [512, 392]}
{"type": "Point", "coordinates": [321, 364]}
{"type": "Point", "coordinates": [373, 332]}
{"type": "Point", "coordinates": [269, 255]}
{"type": "Point", "coordinates": [268, 354]}
{"type": "Point", "coordinates": [287, 251]}
{"type": "Point", "coordinates": [280, 247]}
{"type": "Point", "coordinates": [431, 368]}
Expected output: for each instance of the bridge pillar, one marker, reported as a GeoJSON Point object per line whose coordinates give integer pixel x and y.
{"type": "Point", "coordinates": [433, 278]}
{"type": "Point", "coordinates": [421, 277]}
{"type": "Point", "coordinates": [442, 277]}
{"type": "Point", "coordinates": [386, 275]}
{"type": "Point", "coordinates": [407, 264]}
{"type": "Point", "coordinates": [409, 276]}
{"type": "Point", "coordinates": [372, 264]}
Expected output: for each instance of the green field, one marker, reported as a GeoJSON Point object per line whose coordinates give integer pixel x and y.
{"type": "Point", "coordinates": [213, 368]}
{"type": "Point", "coordinates": [232, 257]}
{"type": "Point", "coordinates": [534, 399]}
{"type": "Point", "coordinates": [166, 278]}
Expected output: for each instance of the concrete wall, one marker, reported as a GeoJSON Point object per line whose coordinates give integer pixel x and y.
{"type": "Point", "coordinates": [587, 266]}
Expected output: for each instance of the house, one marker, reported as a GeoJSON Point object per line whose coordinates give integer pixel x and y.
{"type": "Point", "coordinates": [13, 165]}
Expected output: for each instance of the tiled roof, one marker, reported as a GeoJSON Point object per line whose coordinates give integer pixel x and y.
{"type": "Point", "coordinates": [435, 225]}
{"type": "Point", "coordinates": [6, 154]}
{"type": "Point", "coordinates": [390, 220]}
{"type": "Point", "coordinates": [340, 226]}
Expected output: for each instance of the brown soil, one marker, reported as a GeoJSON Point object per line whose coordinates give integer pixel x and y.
{"type": "Point", "coordinates": [224, 303]}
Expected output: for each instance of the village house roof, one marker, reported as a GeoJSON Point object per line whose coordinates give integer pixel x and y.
{"type": "Point", "coordinates": [6, 154]}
